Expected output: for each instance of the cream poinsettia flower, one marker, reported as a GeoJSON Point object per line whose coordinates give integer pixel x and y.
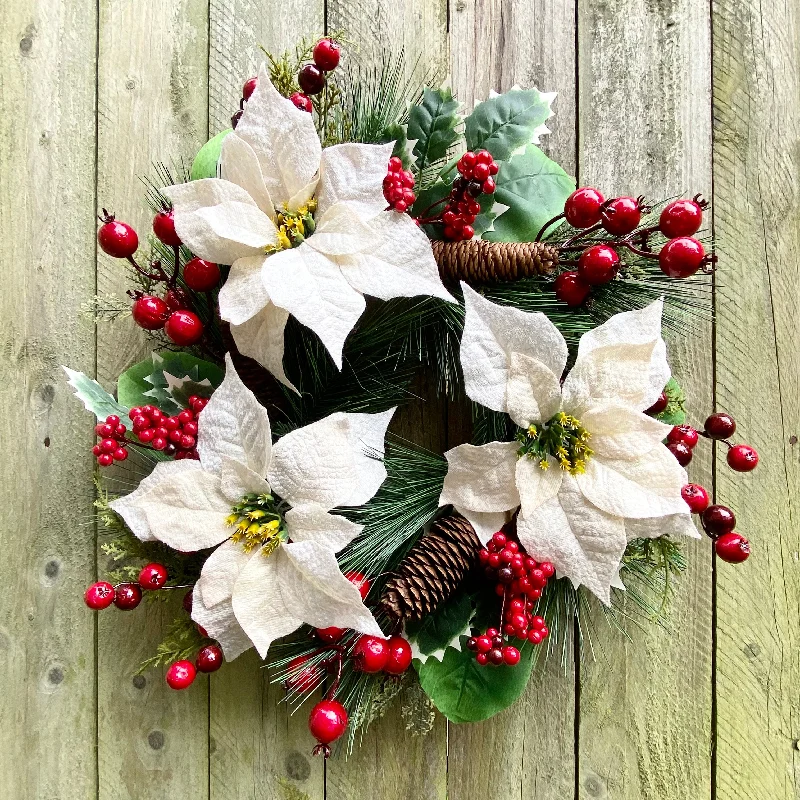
{"type": "Point", "coordinates": [589, 469]}
{"type": "Point", "coordinates": [265, 508]}
{"type": "Point", "coordinates": [305, 230]}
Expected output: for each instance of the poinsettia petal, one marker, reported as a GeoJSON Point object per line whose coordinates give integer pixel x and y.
{"type": "Point", "coordinates": [234, 424]}
{"type": "Point", "coordinates": [400, 263]}
{"type": "Point", "coordinates": [221, 624]}
{"type": "Point", "coordinates": [311, 287]}
{"type": "Point", "coordinates": [236, 480]}
{"type": "Point", "coordinates": [618, 431]}
{"type": "Point", "coordinates": [239, 224]}
{"type": "Point", "coordinates": [533, 391]}
{"type": "Point", "coordinates": [336, 461]}
{"type": "Point", "coordinates": [583, 543]}
{"type": "Point", "coordinates": [312, 523]}
{"type": "Point", "coordinates": [481, 478]}
{"type": "Point", "coordinates": [219, 573]}
{"type": "Point", "coordinates": [486, 524]}
{"type": "Point", "coordinates": [647, 487]}
{"type": "Point", "coordinates": [239, 164]}
{"type": "Point", "coordinates": [537, 486]}
{"type": "Point", "coordinates": [340, 232]}
{"type": "Point", "coordinates": [491, 334]}
{"type": "Point", "coordinates": [283, 138]}
{"type": "Point", "coordinates": [243, 294]}
{"type": "Point", "coordinates": [354, 173]}
{"type": "Point", "coordinates": [669, 525]}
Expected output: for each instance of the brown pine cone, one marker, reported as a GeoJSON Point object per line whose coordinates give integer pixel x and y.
{"type": "Point", "coordinates": [477, 261]}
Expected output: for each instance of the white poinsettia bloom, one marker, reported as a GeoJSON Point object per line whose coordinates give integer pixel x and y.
{"type": "Point", "coordinates": [279, 187]}
{"type": "Point", "coordinates": [589, 470]}
{"type": "Point", "coordinates": [265, 508]}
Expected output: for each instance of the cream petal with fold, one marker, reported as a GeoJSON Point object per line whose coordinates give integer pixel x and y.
{"type": "Point", "coordinates": [237, 480]}
{"type": "Point", "coordinates": [533, 392]}
{"type": "Point", "coordinates": [399, 263]}
{"type": "Point", "coordinates": [221, 624]}
{"type": "Point", "coordinates": [220, 572]}
{"type": "Point", "coordinates": [340, 232]}
{"type": "Point", "coordinates": [239, 164]}
{"type": "Point", "coordinates": [312, 289]}
{"type": "Point", "coordinates": [311, 523]}
{"type": "Point", "coordinates": [486, 524]}
{"type": "Point", "coordinates": [481, 478]}
{"type": "Point", "coordinates": [239, 225]}
{"type": "Point", "coordinates": [236, 425]}
{"type": "Point", "coordinates": [617, 431]}
{"type": "Point", "coordinates": [243, 294]}
{"type": "Point", "coordinates": [537, 486]}
{"type": "Point", "coordinates": [669, 525]}
{"type": "Point", "coordinates": [193, 195]}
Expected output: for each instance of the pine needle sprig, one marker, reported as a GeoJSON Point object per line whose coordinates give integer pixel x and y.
{"type": "Point", "coordinates": [181, 642]}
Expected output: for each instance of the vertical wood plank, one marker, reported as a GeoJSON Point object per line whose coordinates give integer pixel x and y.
{"type": "Point", "coordinates": [644, 84]}
{"type": "Point", "coordinates": [756, 67]}
{"type": "Point", "coordinates": [47, 161]}
{"type": "Point", "coordinates": [528, 750]}
{"type": "Point", "coordinates": [153, 742]}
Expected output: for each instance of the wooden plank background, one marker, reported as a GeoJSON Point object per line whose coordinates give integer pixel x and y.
{"type": "Point", "coordinates": [655, 96]}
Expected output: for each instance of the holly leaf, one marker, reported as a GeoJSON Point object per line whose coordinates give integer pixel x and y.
{"type": "Point", "coordinates": [506, 122]}
{"type": "Point", "coordinates": [93, 396]}
{"type": "Point", "coordinates": [535, 189]}
{"type": "Point", "coordinates": [433, 124]}
{"type": "Point", "coordinates": [674, 413]}
{"type": "Point", "coordinates": [205, 162]}
{"type": "Point", "coordinates": [438, 630]}
{"type": "Point", "coordinates": [465, 691]}
{"type": "Point", "coordinates": [398, 134]}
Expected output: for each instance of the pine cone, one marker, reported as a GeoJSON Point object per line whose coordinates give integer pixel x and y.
{"type": "Point", "coordinates": [477, 261]}
{"type": "Point", "coordinates": [432, 570]}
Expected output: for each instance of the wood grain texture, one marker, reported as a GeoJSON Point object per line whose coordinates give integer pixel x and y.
{"type": "Point", "coordinates": [644, 127]}
{"type": "Point", "coordinates": [47, 133]}
{"type": "Point", "coordinates": [152, 106]}
{"type": "Point", "coordinates": [756, 60]}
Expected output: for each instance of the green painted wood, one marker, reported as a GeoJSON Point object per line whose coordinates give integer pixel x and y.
{"type": "Point", "coordinates": [47, 641]}
{"type": "Point", "coordinates": [644, 127]}
{"type": "Point", "coordinates": [756, 63]}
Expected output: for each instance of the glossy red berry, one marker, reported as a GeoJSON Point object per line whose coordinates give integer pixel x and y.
{"type": "Point", "coordinates": [181, 675]}
{"type": "Point", "coordinates": [304, 675]}
{"type": "Point", "coordinates": [720, 425]}
{"type": "Point", "coordinates": [153, 576]}
{"type": "Point", "coordinates": [681, 452]}
{"type": "Point", "coordinates": [330, 635]}
{"type": "Point", "coordinates": [361, 581]}
{"type": "Point", "coordinates": [249, 87]}
{"type": "Point", "coordinates": [482, 659]}
{"type": "Point", "coordinates": [680, 218]}
{"type": "Point", "coordinates": [621, 215]}
{"type": "Point", "coordinates": [302, 101]}
{"type": "Point", "coordinates": [696, 497]}
{"type": "Point", "coordinates": [682, 257]}
{"type": "Point", "coordinates": [326, 54]}
{"type": "Point", "coordinates": [150, 312]}
{"type": "Point", "coordinates": [510, 655]}
{"type": "Point", "coordinates": [201, 275]}
{"type": "Point", "coordinates": [184, 328]}
{"type": "Point", "coordinates": [209, 658]}
{"type": "Point", "coordinates": [311, 79]}
{"type": "Point", "coordinates": [659, 405]}
{"type": "Point", "coordinates": [571, 289]}
{"type": "Point", "coordinates": [718, 519]}
{"type": "Point", "coordinates": [371, 654]}
{"type": "Point", "coordinates": [684, 433]}
{"type": "Point", "coordinates": [598, 264]}
{"type": "Point", "coordinates": [327, 721]}
{"type": "Point", "coordinates": [117, 239]}
{"type": "Point", "coordinates": [742, 458]}
{"type": "Point", "coordinates": [582, 208]}
{"type": "Point", "coordinates": [732, 547]}
{"type": "Point", "coordinates": [99, 595]}
{"type": "Point", "coordinates": [127, 596]}
{"type": "Point", "coordinates": [483, 644]}
{"type": "Point", "coordinates": [399, 656]}
{"type": "Point", "coordinates": [164, 228]}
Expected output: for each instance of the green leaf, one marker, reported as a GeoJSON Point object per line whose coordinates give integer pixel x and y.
{"type": "Point", "coordinates": [437, 630]}
{"type": "Point", "coordinates": [674, 413]}
{"type": "Point", "coordinates": [94, 396]}
{"type": "Point", "coordinates": [432, 123]}
{"type": "Point", "coordinates": [397, 133]}
{"type": "Point", "coordinates": [535, 189]}
{"type": "Point", "coordinates": [464, 691]}
{"type": "Point", "coordinates": [205, 162]}
{"type": "Point", "coordinates": [506, 122]}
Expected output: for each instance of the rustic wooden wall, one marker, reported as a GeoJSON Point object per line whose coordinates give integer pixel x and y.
{"type": "Point", "coordinates": [655, 96]}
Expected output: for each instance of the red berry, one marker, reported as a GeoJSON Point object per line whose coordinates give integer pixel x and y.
{"type": "Point", "coordinates": [499, 539]}
{"type": "Point", "coordinates": [680, 218]}
{"type": "Point", "coordinates": [112, 419]}
{"type": "Point", "coordinates": [395, 164]}
{"type": "Point", "coordinates": [467, 232]}
{"type": "Point", "coordinates": [718, 519]}
{"type": "Point", "coordinates": [720, 425]}
{"type": "Point", "coordinates": [249, 87]}
{"type": "Point", "coordinates": [732, 547]}
{"type": "Point", "coordinates": [571, 289]}
{"type": "Point", "coordinates": [181, 674]}
{"type": "Point", "coordinates": [484, 157]}
{"type": "Point", "coordinates": [659, 405]}
{"type": "Point", "coordinates": [495, 656]}
{"type": "Point", "coordinates": [302, 101]}
{"type": "Point", "coordinates": [399, 656]}
{"type": "Point", "coordinates": [482, 659]}
{"type": "Point", "coordinates": [99, 595]}
{"type": "Point", "coordinates": [489, 186]}
{"type": "Point", "coordinates": [480, 171]}
{"type": "Point", "coordinates": [96, 450]}
{"type": "Point", "coordinates": [311, 79]}
{"type": "Point", "coordinates": [153, 576]}
{"type": "Point", "coordinates": [150, 312]}
{"type": "Point", "coordinates": [326, 54]}
{"type": "Point", "coordinates": [680, 258]}
{"type": "Point", "coordinates": [108, 446]}
{"type": "Point", "coordinates": [200, 275]}
{"type": "Point", "coordinates": [330, 635]}
{"type": "Point", "coordinates": [683, 433]}
{"type": "Point", "coordinates": [511, 655]}
{"type": "Point", "coordinates": [304, 675]}
{"type": "Point", "coordinates": [361, 581]}
{"type": "Point", "coordinates": [105, 459]}
{"type": "Point", "coordinates": [120, 454]}
{"type": "Point", "coordinates": [371, 654]}
{"type": "Point", "coordinates": [484, 644]}
{"type": "Point", "coordinates": [742, 458]}
{"type": "Point", "coordinates": [117, 239]}
{"type": "Point", "coordinates": [209, 658]}
{"type": "Point", "coordinates": [548, 570]}
{"type": "Point", "coordinates": [184, 328]}
{"type": "Point", "coordinates": [598, 264]}
{"type": "Point", "coordinates": [535, 637]}
{"type": "Point", "coordinates": [582, 209]}
{"type": "Point", "coordinates": [696, 497]}
{"type": "Point", "coordinates": [621, 215]}
{"type": "Point", "coordinates": [681, 451]}
{"type": "Point", "coordinates": [327, 721]}
{"type": "Point", "coordinates": [164, 228]}
{"type": "Point", "coordinates": [127, 596]}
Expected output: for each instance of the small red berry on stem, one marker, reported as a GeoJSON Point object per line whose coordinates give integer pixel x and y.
{"type": "Point", "coordinates": [302, 101]}
{"type": "Point", "coordinates": [209, 658]}
{"type": "Point", "coordinates": [164, 228]}
{"type": "Point", "coordinates": [720, 426]}
{"type": "Point", "coordinates": [249, 87]}
{"type": "Point", "coordinates": [399, 659]}
{"type": "Point", "coordinates": [681, 218]}
{"type": "Point", "coordinates": [732, 547]}
{"type": "Point", "coordinates": [311, 79]}
{"type": "Point", "coordinates": [127, 596]}
{"type": "Point", "coordinates": [718, 519]}
{"type": "Point", "coordinates": [598, 264]}
{"type": "Point", "coordinates": [99, 595]}
{"type": "Point", "coordinates": [582, 208]}
{"type": "Point", "coordinates": [326, 54]}
{"type": "Point", "coordinates": [304, 675]}
{"type": "Point", "coordinates": [696, 497]}
{"type": "Point", "coordinates": [327, 722]}
{"type": "Point", "coordinates": [742, 458]}
{"type": "Point", "coordinates": [659, 405]}
{"type": "Point", "coordinates": [571, 289]}
{"type": "Point", "coordinates": [201, 275]}
{"type": "Point", "coordinates": [682, 257]}
{"type": "Point", "coordinates": [181, 675]}
{"type": "Point", "coordinates": [681, 451]}
{"type": "Point", "coordinates": [330, 635]}
{"type": "Point", "coordinates": [361, 581]}
{"type": "Point", "coordinates": [684, 433]}
{"type": "Point", "coordinates": [117, 239]}
{"type": "Point", "coordinates": [153, 576]}
{"type": "Point", "coordinates": [150, 312]}
{"type": "Point", "coordinates": [621, 215]}
{"type": "Point", "coordinates": [371, 654]}
{"type": "Point", "coordinates": [184, 328]}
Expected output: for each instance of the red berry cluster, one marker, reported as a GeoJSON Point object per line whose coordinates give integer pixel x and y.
{"type": "Point", "coordinates": [126, 596]}
{"type": "Point", "coordinates": [176, 435]}
{"type": "Point", "coordinates": [327, 722]}
{"type": "Point", "coordinates": [112, 445]}
{"type": "Point", "coordinates": [477, 171]}
{"type": "Point", "coordinates": [181, 674]}
{"type": "Point", "coordinates": [398, 186]}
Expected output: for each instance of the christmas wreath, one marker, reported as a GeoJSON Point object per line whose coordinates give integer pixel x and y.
{"type": "Point", "coordinates": [248, 467]}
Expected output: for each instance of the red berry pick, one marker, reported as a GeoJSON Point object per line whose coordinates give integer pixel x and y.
{"type": "Point", "coordinates": [99, 595]}
{"type": "Point", "coordinates": [302, 101]}
{"type": "Point", "coordinates": [696, 497]}
{"type": "Point", "coordinates": [732, 547]}
{"type": "Point", "coordinates": [682, 217]}
{"type": "Point", "coordinates": [720, 425]}
{"type": "Point", "coordinates": [327, 722]}
{"type": "Point", "coordinates": [181, 675]}
{"type": "Point", "coordinates": [684, 433]}
{"type": "Point", "coordinates": [571, 289]}
{"type": "Point", "coordinates": [371, 654]}
{"type": "Point", "coordinates": [209, 658]}
{"type": "Point", "coordinates": [117, 239]}
{"type": "Point", "coordinates": [311, 79]}
{"type": "Point", "coordinates": [598, 264]}
{"type": "Point", "coordinates": [304, 675]}
{"type": "Point", "coordinates": [184, 328]}
{"type": "Point", "coordinates": [621, 215]}
{"type": "Point", "coordinates": [200, 275]}
{"type": "Point", "coordinates": [164, 228]}
{"type": "Point", "coordinates": [742, 458]}
{"type": "Point", "coordinates": [153, 576]}
{"type": "Point", "coordinates": [399, 656]}
{"type": "Point", "coordinates": [582, 208]}
{"type": "Point", "coordinates": [127, 596]}
{"type": "Point", "coordinates": [249, 87]}
{"type": "Point", "coordinates": [326, 54]}
{"type": "Point", "coordinates": [681, 258]}
{"type": "Point", "coordinates": [718, 519]}
{"type": "Point", "coordinates": [150, 312]}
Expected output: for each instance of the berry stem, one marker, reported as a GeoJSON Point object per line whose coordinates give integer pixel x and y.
{"type": "Point", "coordinates": [580, 234]}
{"type": "Point", "coordinates": [159, 276]}
{"type": "Point", "coordinates": [173, 281]}
{"type": "Point", "coordinates": [547, 224]}
{"type": "Point", "coordinates": [632, 247]}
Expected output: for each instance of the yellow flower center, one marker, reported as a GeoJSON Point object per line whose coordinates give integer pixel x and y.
{"type": "Point", "coordinates": [294, 227]}
{"type": "Point", "coordinates": [562, 437]}
{"type": "Point", "coordinates": [258, 522]}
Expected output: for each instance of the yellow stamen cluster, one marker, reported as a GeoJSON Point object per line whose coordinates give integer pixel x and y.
{"type": "Point", "coordinates": [258, 523]}
{"type": "Point", "coordinates": [562, 438]}
{"type": "Point", "coordinates": [294, 226]}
